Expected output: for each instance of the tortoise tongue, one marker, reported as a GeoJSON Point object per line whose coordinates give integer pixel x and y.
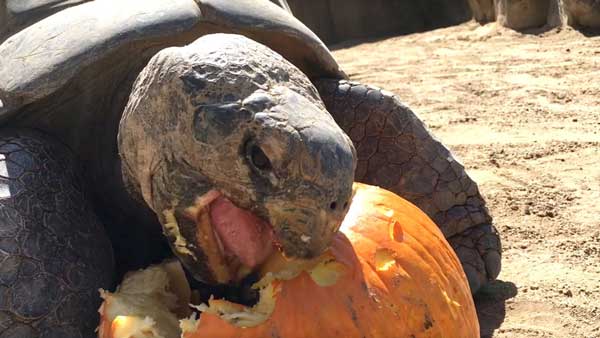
{"type": "Point", "coordinates": [242, 234]}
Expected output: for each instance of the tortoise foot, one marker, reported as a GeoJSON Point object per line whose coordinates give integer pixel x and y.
{"type": "Point", "coordinates": [479, 251]}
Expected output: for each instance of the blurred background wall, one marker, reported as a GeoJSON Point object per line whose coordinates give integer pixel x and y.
{"type": "Point", "coordinates": [339, 20]}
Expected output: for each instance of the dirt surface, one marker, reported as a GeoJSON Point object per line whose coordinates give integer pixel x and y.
{"type": "Point", "coordinates": [522, 112]}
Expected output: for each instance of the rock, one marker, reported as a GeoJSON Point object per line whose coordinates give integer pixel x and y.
{"type": "Point", "coordinates": [528, 14]}
{"type": "Point", "coordinates": [483, 10]}
{"type": "Point", "coordinates": [567, 293]}
{"type": "Point", "coordinates": [585, 13]}
{"type": "Point", "coordinates": [525, 14]}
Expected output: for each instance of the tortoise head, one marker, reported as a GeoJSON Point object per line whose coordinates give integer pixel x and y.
{"type": "Point", "coordinates": [232, 148]}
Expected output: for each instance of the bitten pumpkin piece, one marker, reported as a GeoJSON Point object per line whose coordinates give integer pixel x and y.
{"type": "Point", "coordinates": [147, 304]}
{"type": "Point", "coordinates": [388, 273]}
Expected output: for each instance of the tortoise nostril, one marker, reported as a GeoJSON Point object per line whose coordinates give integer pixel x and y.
{"type": "Point", "coordinates": [334, 205]}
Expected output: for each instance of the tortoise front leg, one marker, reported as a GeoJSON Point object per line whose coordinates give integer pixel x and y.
{"type": "Point", "coordinates": [396, 152]}
{"type": "Point", "coordinates": [54, 254]}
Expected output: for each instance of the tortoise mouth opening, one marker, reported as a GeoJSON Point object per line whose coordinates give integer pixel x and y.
{"type": "Point", "coordinates": [234, 241]}
{"type": "Point", "coordinates": [241, 235]}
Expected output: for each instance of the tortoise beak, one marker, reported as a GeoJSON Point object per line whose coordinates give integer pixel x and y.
{"type": "Point", "coordinates": [305, 230]}
{"type": "Point", "coordinates": [302, 232]}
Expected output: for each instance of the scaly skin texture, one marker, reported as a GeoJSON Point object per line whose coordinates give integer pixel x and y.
{"type": "Point", "coordinates": [54, 254]}
{"type": "Point", "coordinates": [196, 117]}
{"type": "Point", "coordinates": [396, 152]}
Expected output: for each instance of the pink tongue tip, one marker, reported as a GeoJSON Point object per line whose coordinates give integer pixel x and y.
{"type": "Point", "coordinates": [242, 234]}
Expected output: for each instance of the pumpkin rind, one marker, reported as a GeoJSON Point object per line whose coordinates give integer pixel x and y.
{"type": "Point", "coordinates": [389, 273]}
{"type": "Point", "coordinates": [402, 280]}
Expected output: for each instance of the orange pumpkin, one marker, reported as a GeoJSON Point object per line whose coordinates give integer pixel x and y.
{"type": "Point", "coordinates": [389, 273]}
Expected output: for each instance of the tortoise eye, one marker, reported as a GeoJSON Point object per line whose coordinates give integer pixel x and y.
{"type": "Point", "coordinates": [257, 157]}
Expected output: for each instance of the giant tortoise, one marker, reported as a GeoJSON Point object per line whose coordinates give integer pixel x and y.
{"type": "Point", "coordinates": [128, 122]}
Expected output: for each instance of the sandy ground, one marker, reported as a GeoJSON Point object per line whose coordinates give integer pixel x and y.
{"type": "Point", "coordinates": [523, 114]}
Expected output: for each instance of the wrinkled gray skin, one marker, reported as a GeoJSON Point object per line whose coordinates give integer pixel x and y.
{"type": "Point", "coordinates": [194, 117]}
{"type": "Point", "coordinates": [68, 182]}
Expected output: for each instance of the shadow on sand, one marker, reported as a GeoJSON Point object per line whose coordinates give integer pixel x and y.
{"type": "Point", "coordinates": [491, 305]}
{"type": "Point", "coordinates": [358, 41]}
{"type": "Point", "coordinates": [589, 32]}
{"type": "Point", "coordinates": [586, 31]}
